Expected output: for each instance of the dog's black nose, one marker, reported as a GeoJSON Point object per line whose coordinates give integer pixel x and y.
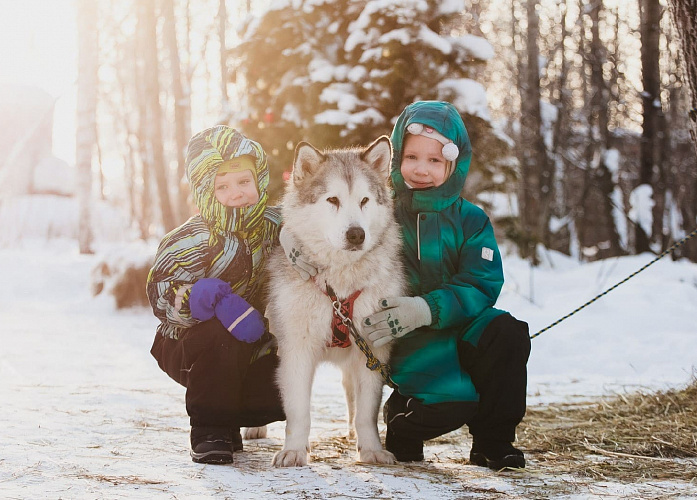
{"type": "Point", "coordinates": [355, 235]}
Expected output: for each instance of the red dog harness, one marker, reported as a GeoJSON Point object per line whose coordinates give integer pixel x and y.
{"type": "Point", "coordinates": [342, 309]}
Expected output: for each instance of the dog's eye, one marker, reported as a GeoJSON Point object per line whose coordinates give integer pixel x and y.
{"type": "Point", "coordinates": [364, 201]}
{"type": "Point", "coordinates": [334, 201]}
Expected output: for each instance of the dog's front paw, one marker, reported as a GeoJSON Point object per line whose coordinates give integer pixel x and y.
{"type": "Point", "coordinates": [376, 457]}
{"type": "Point", "coordinates": [290, 458]}
{"type": "Point", "coordinates": [255, 432]}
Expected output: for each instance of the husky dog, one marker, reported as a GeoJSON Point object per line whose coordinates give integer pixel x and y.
{"type": "Point", "coordinates": [338, 208]}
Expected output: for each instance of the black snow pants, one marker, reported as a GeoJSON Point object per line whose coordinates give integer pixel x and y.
{"type": "Point", "coordinates": [224, 387]}
{"type": "Point", "coordinates": [497, 366]}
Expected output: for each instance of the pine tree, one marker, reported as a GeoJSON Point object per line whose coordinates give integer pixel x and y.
{"type": "Point", "coordinates": [285, 60]}
{"type": "Point", "coordinates": [338, 73]}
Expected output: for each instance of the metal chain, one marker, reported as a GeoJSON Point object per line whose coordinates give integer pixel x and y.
{"type": "Point", "coordinates": [373, 363]}
{"type": "Point", "coordinates": [663, 254]}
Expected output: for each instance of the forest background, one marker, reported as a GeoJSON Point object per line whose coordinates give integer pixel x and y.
{"type": "Point", "coordinates": [578, 110]}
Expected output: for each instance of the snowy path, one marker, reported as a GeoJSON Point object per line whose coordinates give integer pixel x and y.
{"type": "Point", "coordinates": [88, 414]}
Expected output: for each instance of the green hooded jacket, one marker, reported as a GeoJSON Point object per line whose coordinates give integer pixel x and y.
{"type": "Point", "coordinates": [452, 261]}
{"type": "Point", "coordinates": [231, 244]}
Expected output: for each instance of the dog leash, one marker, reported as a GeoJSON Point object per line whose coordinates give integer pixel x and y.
{"type": "Point", "coordinates": [659, 257]}
{"type": "Point", "coordinates": [372, 363]}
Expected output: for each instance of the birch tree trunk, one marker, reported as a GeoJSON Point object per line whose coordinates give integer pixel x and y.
{"type": "Point", "coordinates": [182, 105]}
{"type": "Point", "coordinates": [86, 134]}
{"type": "Point", "coordinates": [145, 194]}
{"type": "Point", "coordinates": [651, 102]}
{"type": "Point", "coordinates": [609, 245]}
{"type": "Point", "coordinates": [154, 110]}
{"type": "Point", "coordinates": [222, 28]}
{"type": "Point", "coordinates": [684, 15]}
{"type": "Point", "coordinates": [124, 106]}
{"type": "Point", "coordinates": [536, 173]}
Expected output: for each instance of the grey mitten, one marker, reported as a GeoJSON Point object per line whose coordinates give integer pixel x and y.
{"type": "Point", "coordinates": [399, 316]}
{"type": "Point", "coordinates": [294, 253]}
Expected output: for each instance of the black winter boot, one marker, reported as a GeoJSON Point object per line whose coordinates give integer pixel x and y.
{"type": "Point", "coordinates": [404, 449]}
{"type": "Point", "coordinates": [496, 455]}
{"type": "Point", "coordinates": [236, 440]}
{"type": "Point", "coordinates": [212, 445]}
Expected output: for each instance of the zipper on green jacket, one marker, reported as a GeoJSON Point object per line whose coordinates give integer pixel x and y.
{"type": "Point", "coordinates": [418, 237]}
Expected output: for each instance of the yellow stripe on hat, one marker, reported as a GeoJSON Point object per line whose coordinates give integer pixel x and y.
{"type": "Point", "coordinates": [244, 162]}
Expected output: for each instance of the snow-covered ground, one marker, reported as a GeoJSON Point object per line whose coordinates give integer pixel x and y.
{"type": "Point", "coordinates": [86, 412]}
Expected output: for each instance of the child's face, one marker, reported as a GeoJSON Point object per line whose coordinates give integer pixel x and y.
{"type": "Point", "coordinates": [236, 189]}
{"type": "Point", "coordinates": [423, 165]}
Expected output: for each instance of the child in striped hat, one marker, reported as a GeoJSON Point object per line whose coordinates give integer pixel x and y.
{"type": "Point", "coordinates": [205, 288]}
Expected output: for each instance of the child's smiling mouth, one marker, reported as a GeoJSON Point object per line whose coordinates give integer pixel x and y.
{"type": "Point", "coordinates": [418, 184]}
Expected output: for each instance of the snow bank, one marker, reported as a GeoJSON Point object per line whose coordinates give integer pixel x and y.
{"type": "Point", "coordinates": [54, 176]}
{"type": "Point", "coordinates": [122, 272]}
{"type": "Point", "coordinates": [50, 216]}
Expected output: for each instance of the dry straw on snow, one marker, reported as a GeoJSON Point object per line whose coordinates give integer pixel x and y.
{"type": "Point", "coordinates": [632, 437]}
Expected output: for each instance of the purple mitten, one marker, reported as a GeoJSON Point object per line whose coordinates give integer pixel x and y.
{"type": "Point", "coordinates": [204, 296]}
{"type": "Point", "coordinates": [243, 321]}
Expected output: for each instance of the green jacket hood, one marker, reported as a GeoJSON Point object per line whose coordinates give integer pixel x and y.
{"type": "Point", "coordinates": [206, 151]}
{"type": "Point", "coordinates": [445, 118]}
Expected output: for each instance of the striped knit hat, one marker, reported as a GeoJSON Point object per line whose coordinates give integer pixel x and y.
{"type": "Point", "coordinates": [207, 151]}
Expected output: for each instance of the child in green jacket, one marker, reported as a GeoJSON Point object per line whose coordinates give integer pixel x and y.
{"type": "Point", "coordinates": [456, 359]}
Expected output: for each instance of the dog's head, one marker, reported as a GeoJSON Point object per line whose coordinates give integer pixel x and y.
{"type": "Point", "coordinates": [340, 198]}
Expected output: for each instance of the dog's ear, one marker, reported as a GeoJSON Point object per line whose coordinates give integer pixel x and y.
{"type": "Point", "coordinates": [306, 161]}
{"type": "Point", "coordinates": [379, 155]}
